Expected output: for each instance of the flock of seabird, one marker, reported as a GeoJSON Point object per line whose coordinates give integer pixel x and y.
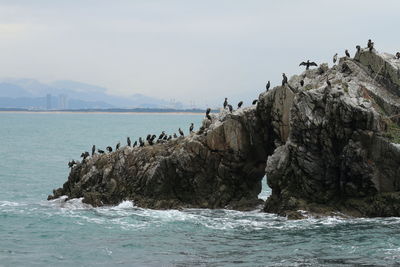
{"type": "Point", "coordinates": [163, 137]}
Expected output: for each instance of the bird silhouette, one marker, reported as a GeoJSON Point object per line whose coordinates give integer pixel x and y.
{"type": "Point", "coordinates": [308, 64]}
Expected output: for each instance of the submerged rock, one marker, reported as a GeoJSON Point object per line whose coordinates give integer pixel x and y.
{"type": "Point", "coordinates": [325, 149]}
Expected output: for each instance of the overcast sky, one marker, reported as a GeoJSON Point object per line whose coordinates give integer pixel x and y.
{"type": "Point", "coordinates": [186, 50]}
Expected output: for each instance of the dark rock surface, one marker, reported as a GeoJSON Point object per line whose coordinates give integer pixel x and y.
{"type": "Point", "coordinates": [325, 149]}
{"type": "Point", "coordinates": [339, 155]}
{"type": "Point", "coordinates": [217, 168]}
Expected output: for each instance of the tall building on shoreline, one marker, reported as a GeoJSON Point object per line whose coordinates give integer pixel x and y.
{"type": "Point", "coordinates": [63, 102]}
{"type": "Point", "coordinates": [48, 101]}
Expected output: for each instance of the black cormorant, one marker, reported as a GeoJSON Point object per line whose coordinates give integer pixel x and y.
{"type": "Point", "coordinates": [254, 101]}
{"type": "Point", "coordinates": [284, 79]}
{"type": "Point", "coordinates": [180, 132]}
{"type": "Point", "coordinates": [208, 113]}
{"type": "Point", "coordinates": [85, 154]}
{"type": "Point", "coordinates": [302, 83]}
{"type": "Point", "coordinates": [93, 149]}
{"type": "Point", "coordinates": [71, 163]}
{"type": "Point", "coordinates": [175, 136]}
{"type": "Point", "coordinates": [109, 149]}
{"type": "Point", "coordinates": [370, 45]}
{"type": "Point", "coordinates": [308, 64]}
{"type": "Point", "coordinates": [230, 108]}
{"type": "Point", "coordinates": [267, 86]}
{"type": "Point", "coordinates": [347, 53]}
{"type": "Point", "coordinates": [134, 144]}
{"type": "Point", "coordinates": [240, 104]}
{"type": "Point", "coordinates": [141, 143]}
{"type": "Point", "coordinates": [191, 127]}
{"type": "Point", "coordinates": [334, 58]}
{"type": "Point", "coordinates": [117, 146]}
{"type": "Point", "coordinates": [358, 48]}
{"type": "Point", "coordinates": [128, 141]}
{"type": "Point", "coordinates": [100, 151]}
{"type": "Point", "coordinates": [225, 102]}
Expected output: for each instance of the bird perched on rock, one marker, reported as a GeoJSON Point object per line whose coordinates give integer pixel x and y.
{"type": "Point", "coordinates": [175, 136]}
{"type": "Point", "coordinates": [398, 55]}
{"type": "Point", "coordinates": [109, 149]}
{"type": "Point", "coordinates": [100, 151]}
{"type": "Point", "coordinates": [134, 144]}
{"type": "Point", "coordinates": [225, 102]}
{"type": "Point", "coordinates": [358, 48]}
{"type": "Point", "coordinates": [328, 83]}
{"type": "Point", "coordinates": [347, 53]}
{"type": "Point", "coordinates": [169, 137]}
{"type": "Point", "coordinates": [165, 137]}
{"type": "Point", "coordinates": [308, 64]}
{"type": "Point", "coordinates": [141, 143]}
{"type": "Point", "coordinates": [93, 149]}
{"type": "Point", "coordinates": [208, 113]}
{"type": "Point", "coordinates": [301, 83]}
{"type": "Point", "coordinates": [284, 79]}
{"type": "Point", "coordinates": [71, 163]}
{"type": "Point", "coordinates": [117, 146]}
{"type": "Point", "coordinates": [180, 132]}
{"type": "Point", "coordinates": [370, 45]}
{"type": "Point", "coordinates": [230, 108]}
{"type": "Point", "coordinates": [240, 104]}
{"type": "Point", "coordinates": [191, 127]}
{"type": "Point", "coordinates": [267, 86]}
{"type": "Point", "coordinates": [161, 135]}
{"type": "Point", "coordinates": [334, 58]}
{"type": "Point", "coordinates": [85, 154]}
{"type": "Point", "coordinates": [128, 141]}
{"type": "Point", "coordinates": [254, 101]}
{"type": "Point", "coordinates": [150, 141]}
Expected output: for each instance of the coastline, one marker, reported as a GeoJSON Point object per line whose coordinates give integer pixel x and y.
{"type": "Point", "coordinates": [102, 112]}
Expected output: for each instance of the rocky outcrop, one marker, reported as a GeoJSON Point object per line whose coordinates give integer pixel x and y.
{"type": "Point", "coordinates": [217, 167]}
{"type": "Point", "coordinates": [340, 153]}
{"type": "Point", "coordinates": [324, 149]}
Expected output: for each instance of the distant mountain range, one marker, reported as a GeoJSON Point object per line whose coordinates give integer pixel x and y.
{"type": "Point", "coordinates": [32, 94]}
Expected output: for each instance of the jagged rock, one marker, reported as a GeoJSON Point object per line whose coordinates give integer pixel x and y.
{"type": "Point", "coordinates": [215, 169]}
{"type": "Point", "coordinates": [325, 149]}
{"type": "Point", "coordinates": [337, 153]}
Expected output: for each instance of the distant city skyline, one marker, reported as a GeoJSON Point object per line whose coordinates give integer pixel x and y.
{"type": "Point", "coordinates": [193, 52]}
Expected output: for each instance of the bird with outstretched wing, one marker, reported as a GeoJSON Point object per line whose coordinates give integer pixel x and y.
{"type": "Point", "coordinates": [308, 64]}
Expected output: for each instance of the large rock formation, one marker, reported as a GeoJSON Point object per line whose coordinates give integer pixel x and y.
{"type": "Point", "coordinates": [323, 148]}
{"type": "Point", "coordinates": [217, 167]}
{"type": "Point", "coordinates": [340, 155]}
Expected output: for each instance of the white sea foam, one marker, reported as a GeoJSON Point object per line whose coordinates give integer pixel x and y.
{"type": "Point", "coordinates": [72, 204]}
{"type": "Point", "coordinates": [10, 204]}
{"type": "Point", "coordinates": [126, 204]}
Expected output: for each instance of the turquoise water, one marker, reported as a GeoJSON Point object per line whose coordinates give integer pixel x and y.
{"type": "Point", "coordinates": [35, 149]}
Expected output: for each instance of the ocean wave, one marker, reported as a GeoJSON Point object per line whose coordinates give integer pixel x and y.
{"type": "Point", "coordinates": [72, 204]}
{"type": "Point", "coordinates": [6, 203]}
{"type": "Point", "coordinates": [127, 216]}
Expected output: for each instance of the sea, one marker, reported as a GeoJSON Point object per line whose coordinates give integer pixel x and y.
{"type": "Point", "coordinates": [34, 151]}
